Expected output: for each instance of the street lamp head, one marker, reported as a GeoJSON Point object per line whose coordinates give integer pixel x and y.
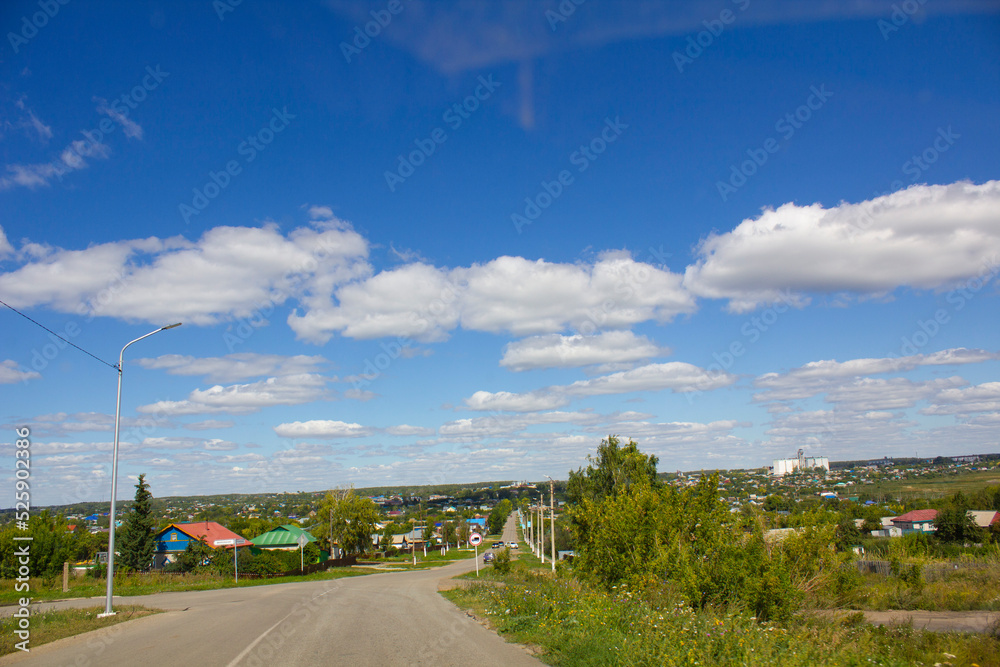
{"type": "Point", "coordinates": [171, 326]}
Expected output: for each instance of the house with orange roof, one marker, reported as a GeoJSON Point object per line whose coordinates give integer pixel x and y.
{"type": "Point", "coordinates": [173, 540]}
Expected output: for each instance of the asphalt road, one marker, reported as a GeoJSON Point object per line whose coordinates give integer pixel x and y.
{"type": "Point", "coordinates": [385, 619]}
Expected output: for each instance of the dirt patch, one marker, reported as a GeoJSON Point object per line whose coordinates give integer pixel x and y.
{"type": "Point", "coordinates": [933, 621]}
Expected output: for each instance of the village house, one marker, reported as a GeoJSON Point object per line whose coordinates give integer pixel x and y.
{"type": "Point", "coordinates": [173, 540]}
{"type": "Point", "coordinates": [916, 520]}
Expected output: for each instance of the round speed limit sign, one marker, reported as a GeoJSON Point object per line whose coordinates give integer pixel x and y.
{"type": "Point", "coordinates": [475, 539]}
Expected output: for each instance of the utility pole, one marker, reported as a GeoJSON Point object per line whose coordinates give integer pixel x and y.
{"type": "Point", "coordinates": [541, 531]}
{"type": "Point", "coordinates": [540, 535]}
{"type": "Point", "coordinates": [531, 528]}
{"type": "Point", "coordinates": [552, 509]}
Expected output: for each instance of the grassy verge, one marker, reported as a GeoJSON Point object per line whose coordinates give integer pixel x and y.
{"type": "Point", "coordinates": [966, 590]}
{"type": "Point", "coordinates": [56, 624]}
{"type": "Point", "coordinates": [920, 584]}
{"type": "Point", "coordinates": [526, 560]}
{"type": "Point", "coordinates": [574, 624]}
{"type": "Point", "coordinates": [434, 558]}
{"type": "Point", "coordinates": [146, 584]}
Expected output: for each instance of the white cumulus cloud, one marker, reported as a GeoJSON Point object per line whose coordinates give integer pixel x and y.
{"type": "Point", "coordinates": [559, 351]}
{"type": "Point", "coordinates": [230, 272]}
{"type": "Point", "coordinates": [321, 428]}
{"type": "Point", "coordinates": [10, 373]}
{"type": "Point", "coordinates": [245, 398]}
{"type": "Point", "coordinates": [677, 376]}
{"type": "Point", "coordinates": [234, 367]}
{"type": "Point", "coordinates": [924, 237]}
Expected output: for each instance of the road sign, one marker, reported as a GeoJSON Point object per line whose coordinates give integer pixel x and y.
{"type": "Point", "coordinates": [227, 543]}
{"type": "Point", "coordinates": [475, 539]}
{"type": "Point", "coordinates": [303, 540]}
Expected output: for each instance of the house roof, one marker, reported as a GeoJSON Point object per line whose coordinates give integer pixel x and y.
{"type": "Point", "coordinates": [984, 518]}
{"type": "Point", "coordinates": [206, 531]}
{"type": "Point", "coordinates": [916, 516]}
{"type": "Point", "coordinates": [282, 536]}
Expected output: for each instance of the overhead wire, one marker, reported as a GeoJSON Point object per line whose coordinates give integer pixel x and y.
{"type": "Point", "coordinates": [68, 342]}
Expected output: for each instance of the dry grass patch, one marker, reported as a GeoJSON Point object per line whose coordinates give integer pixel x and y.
{"type": "Point", "coordinates": [48, 626]}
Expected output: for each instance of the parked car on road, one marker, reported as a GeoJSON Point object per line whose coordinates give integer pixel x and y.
{"type": "Point", "coordinates": [487, 557]}
{"type": "Point", "coordinates": [512, 545]}
{"type": "Point", "coordinates": [498, 545]}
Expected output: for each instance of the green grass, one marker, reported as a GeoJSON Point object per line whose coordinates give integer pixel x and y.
{"type": "Point", "coordinates": [49, 626]}
{"type": "Point", "coordinates": [147, 584]}
{"type": "Point", "coordinates": [42, 589]}
{"type": "Point", "coordinates": [931, 486]}
{"type": "Point", "coordinates": [963, 590]}
{"type": "Point", "coordinates": [573, 624]}
{"type": "Point", "coordinates": [523, 556]}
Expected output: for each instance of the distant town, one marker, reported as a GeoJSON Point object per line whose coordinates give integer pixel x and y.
{"type": "Point", "coordinates": [802, 482]}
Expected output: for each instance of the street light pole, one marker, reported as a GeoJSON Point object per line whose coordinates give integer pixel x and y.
{"type": "Point", "coordinates": [114, 475]}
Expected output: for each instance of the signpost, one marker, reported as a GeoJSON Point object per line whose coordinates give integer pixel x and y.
{"type": "Point", "coordinates": [226, 543]}
{"type": "Point", "coordinates": [475, 540]}
{"type": "Point", "coordinates": [303, 541]}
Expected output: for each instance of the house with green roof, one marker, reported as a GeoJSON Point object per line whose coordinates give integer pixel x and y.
{"type": "Point", "coordinates": [284, 537]}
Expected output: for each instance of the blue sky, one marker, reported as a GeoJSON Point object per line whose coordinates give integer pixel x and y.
{"type": "Point", "coordinates": [474, 241]}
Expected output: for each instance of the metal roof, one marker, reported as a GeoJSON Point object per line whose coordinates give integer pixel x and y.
{"type": "Point", "coordinates": [206, 531]}
{"type": "Point", "coordinates": [282, 536]}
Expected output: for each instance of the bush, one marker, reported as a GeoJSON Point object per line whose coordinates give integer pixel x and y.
{"type": "Point", "coordinates": [501, 563]}
{"type": "Point", "coordinates": [264, 563]}
{"type": "Point", "coordinates": [642, 533]}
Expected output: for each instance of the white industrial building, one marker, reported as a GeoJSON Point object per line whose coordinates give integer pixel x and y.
{"type": "Point", "coordinates": [802, 462]}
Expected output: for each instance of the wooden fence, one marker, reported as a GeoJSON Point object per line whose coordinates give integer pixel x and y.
{"type": "Point", "coordinates": [347, 561]}
{"type": "Point", "coordinates": [930, 572]}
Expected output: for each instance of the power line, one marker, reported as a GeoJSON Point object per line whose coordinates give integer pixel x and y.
{"type": "Point", "coordinates": [58, 336]}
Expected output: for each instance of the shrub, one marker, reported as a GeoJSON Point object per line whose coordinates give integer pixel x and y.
{"type": "Point", "coordinates": [264, 563]}
{"type": "Point", "coordinates": [501, 563]}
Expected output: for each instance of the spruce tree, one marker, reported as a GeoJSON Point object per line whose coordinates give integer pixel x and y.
{"type": "Point", "coordinates": [136, 545]}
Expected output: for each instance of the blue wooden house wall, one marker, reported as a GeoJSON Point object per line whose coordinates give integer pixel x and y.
{"type": "Point", "coordinates": [169, 545]}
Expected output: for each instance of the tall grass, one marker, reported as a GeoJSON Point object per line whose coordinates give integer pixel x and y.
{"type": "Point", "coordinates": [959, 590]}
{"type": "Point", "coordinates": [575, 624]}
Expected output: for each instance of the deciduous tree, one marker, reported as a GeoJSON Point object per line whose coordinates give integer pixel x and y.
{"type": "Point", "coordinates": [354, 519]}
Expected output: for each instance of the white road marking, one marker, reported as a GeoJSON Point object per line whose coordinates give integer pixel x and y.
{"type": "Point", "coordinates": [249, 648]}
